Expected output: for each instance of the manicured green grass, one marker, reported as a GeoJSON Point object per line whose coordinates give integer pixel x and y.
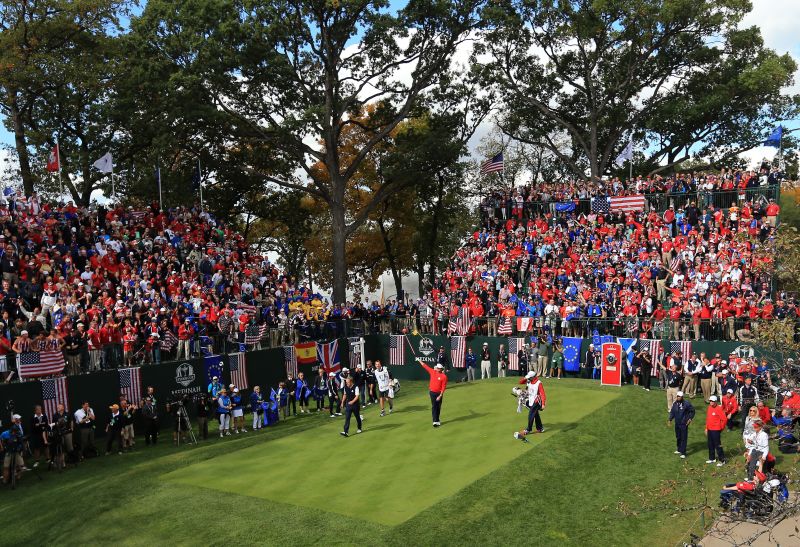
{"type": "Point", "coordinates": [606, 477]}
{"type": "Point", "coordinates": [411, 464]}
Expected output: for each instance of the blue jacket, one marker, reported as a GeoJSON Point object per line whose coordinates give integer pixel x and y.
{"type": "Point", "coordinates": [223, 402]}
{"type": "Point", "coordinates": [255, 401]}
{"type": "Point", "coordinates": [470, 360]}
{"type": "Point", "coordinates": [681, 412]}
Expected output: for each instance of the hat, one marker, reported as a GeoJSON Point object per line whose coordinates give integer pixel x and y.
{"type": "Point", "coordinates": [486, 343]}
{"type": "Point", "coordinates": [438, 366]}
{"type": "Point", "coordinates": [713, 398]}
{"type": "Point", "coordinates": [530, 375]}
{"type": "Point", "coordinates": [730, 391]}
{"type": "Point", "coordinates": [345, 369]}
{"type": "Point", "coordinates": [679, 394]}
{"type": "Point", "coordinates": [231, 386]}
{"type": "Point", "coordinates": [24, 332]}
{"type": "Point", "coordinates": [215, 377]}
{"type": "Point", "coordinates": [331, 374]}
{"type": "Point", "coordinates": [16, 417]}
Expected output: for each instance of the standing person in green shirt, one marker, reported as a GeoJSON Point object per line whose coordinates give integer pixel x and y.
{"type": "Point", "coordinates": [557, 360]}
{"type": "Point", "coordinates": [542, 351]}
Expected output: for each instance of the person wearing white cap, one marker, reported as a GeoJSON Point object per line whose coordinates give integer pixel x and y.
{"type": "Point", "coordinates": [730, 406]}
{"type": "Point", "coordinates": [12, 440]}
{"type": "Point", "coordinates": [715, 424]}
{"type": "Point", "coordinates": [682, 413]}
{"type": "Point", "coordinates": [436, 389]}
{"type": "Point", "coordinates": [536, 401]}
{"type": "Point", "coordinates": [486, 363]}
{"type": "Point", "coordinates": [237, 412]}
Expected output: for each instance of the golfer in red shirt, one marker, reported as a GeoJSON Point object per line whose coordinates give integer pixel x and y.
{"type": "Point", "coordinates": [437, 386]}
{"type": "Point", "coordinates": [716, 420]}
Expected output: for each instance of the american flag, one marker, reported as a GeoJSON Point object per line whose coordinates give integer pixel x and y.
{"type": "Point", "coordinates": [247, 308]}
{"type": "Point", "coordinates": [254, 333]}
{"type": "Point", "coordinates": [290, 360]}
{"type": "Point", "coordinates": [463, 322]}
{"type": "Point", "coordinates": [514, 345]}
{"type": "Point", "coordinates": [397, 349]}
{"type": "Point", "coordinates": [684, 346]}
{"type": "Point", "coordinates": [170, 340]}
{"type": "Point", "coordinates": [628, 203]}
{"type": "Point", "coordinates": [654, 347]}
{"type": "Point", "coordinates": [601, 204]}
{"type": "Point", "coordinates": [505, 328]}
{"type": "Point", "coordinates": [356, 352]}
{"type": "Point", "coordinates": [43, 363]}
{"type": "Point", "coordinates": [493, 165]}
{"type": "Point", "coordinates": [54, 392]}
{"type": "Point", "coordinates": [138, 216]}
{"type": "Point", "coordinates": [328, 356]}
{"type": "Point", "coordinates": [130, 384]}
{"type": "Point", "coordinates": [237, 362]}
{"type": "Point", "coordinates": [458, 350]}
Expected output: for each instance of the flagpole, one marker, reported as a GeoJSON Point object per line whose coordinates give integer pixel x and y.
{"type": "Point", "coordinates": [158, 174]}
{"type": "Point", "coordinates": [113, 186]}
{"type": "Point", "coordinates": [200, 182]}
{"type": "Point", "coordinates": [58, 163]}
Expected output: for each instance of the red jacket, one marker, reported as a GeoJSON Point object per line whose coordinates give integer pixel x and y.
{"type": "Point", "coordinates": [715, 418]}
{"type": "Point", "coordinates": [730, 405]}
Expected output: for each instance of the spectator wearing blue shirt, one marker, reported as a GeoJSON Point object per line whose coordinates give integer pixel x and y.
{"type": "Point", "coordinates": [224, 407]}
{"type": "Point", "coordinates": [470, 361]}
{"type": "Point", "coordinates": [237, 412]}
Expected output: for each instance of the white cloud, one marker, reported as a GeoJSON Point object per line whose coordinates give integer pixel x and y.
{"type": "Point", "coordinates": [777, 20]}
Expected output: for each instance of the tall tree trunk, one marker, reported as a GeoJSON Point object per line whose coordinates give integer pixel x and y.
{"type": "Point", "coordinates": [434, 235]}
{"type": "Point", "coordinates": [21, 144]}
{"type": "Point", "coordinates": [387, 245]}
{"type": "Point", "coordinates": [339, 241]}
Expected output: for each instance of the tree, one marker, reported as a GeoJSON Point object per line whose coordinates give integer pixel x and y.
{"type": "Point", "coordinates": [37, 41]}
{"type": "Point", "coordinates": [678, 74]}
{"type": "Point", "coordinates": [286, 71]}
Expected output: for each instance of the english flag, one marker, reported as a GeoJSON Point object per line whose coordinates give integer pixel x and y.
{"type": "Point", "coordinates": [54, 162]}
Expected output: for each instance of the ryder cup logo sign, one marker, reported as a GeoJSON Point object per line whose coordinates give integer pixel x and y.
{"type": "Point", "coordinates": [184, 374]}
{"type": "Point", "coordinates": [426, 346]}
{"type": "Point", "coordinates": [744, 352]}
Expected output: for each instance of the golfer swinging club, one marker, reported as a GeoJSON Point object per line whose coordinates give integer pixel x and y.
{"type": "Point", "coordinates": [437, 386]}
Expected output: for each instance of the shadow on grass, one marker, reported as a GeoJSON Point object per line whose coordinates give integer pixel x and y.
{"type": "Point", "coordinates": [383, 426]}
{"type": "Point", "coordinates": [470, 416]}
{"type": "Point", "coordinates": [413, 408]}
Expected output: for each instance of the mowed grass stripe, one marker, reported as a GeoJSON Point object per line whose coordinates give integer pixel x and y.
{"type": "Point", "coordinates": [400, 465]}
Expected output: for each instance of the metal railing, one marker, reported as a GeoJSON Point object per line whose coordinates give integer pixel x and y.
{"type": "Point", "coordinates": [658, 202]}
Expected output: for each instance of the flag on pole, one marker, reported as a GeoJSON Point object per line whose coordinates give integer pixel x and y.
{"type": "Point", "coordinates": [458, 351]}
{"type": "Point", "coordinates": [237, 363]}
{"type": "Point", "coordinates": [105, 164]}
{"type": "Point", "coordinates": [40, 363]}
{"type": "Point", "coordinates": [290, 360]}
{"type": "Point", "coordinates": [629, 348]}
{"type": "Point", "coordinates": [328, 356]}
{"type": "Point", "coordinates": [493, 165]}
{"type": "Point", "coordinates": [254, 333]}
{"type": "Point", "coordinates": [54, 393]}
{"type": "Point", "coordinates": [463, 322]}
{"type": "Point", "coordinates": [775, 137]}
{"type": "Point", "coordinates": [626, 154]}
{"type": "Point", "coordinates": [53, 161]}
{"type": "Point", "coordinates": [356, 351]}
{"type": "Point", "coordinates": [130, 384]}
{"type": "Point", "coordinates": [212, 364]}
{"type": "Point", "coordinates": [514, 345]}
{"type": "Point", "coordinates": [397, 349]}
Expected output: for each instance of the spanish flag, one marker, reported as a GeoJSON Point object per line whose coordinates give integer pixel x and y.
{"type": "Point", "coordinates": [306, 353]}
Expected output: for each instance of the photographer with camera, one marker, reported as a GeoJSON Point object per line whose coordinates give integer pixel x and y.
{"type": "Point", "coordinates": [39, 430]}
{"type": "Point", "coordinates": [150, 415]}
{"type": "Point", "coordinates": [177, 407]}
{"type": "Point", "coordinates": [203, 407]}
{"type": "Point", "coordinates": [13, 444]}
{"type": "Point", "coordinates": [85, 419]}
{"type": "Point", "coordinates": [114, 429]}
{"type": "Point", "coordinates": [128, 412]}
{"type": "Point", "coordinates": [60, 436]}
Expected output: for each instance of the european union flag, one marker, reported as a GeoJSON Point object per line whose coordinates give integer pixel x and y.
{"type": "Point", "coordinates": [572, 354]}
{"type": "Point", "coordinates": [567, 207]}
{"type": "Point", "coordinates": [213, 367]}
{"type": "Point", "coordinates": [774, 139]}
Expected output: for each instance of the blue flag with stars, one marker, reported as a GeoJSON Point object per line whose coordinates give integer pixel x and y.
{"type": "Point", "coordinates": [213, 367]}
{"type": "Point", "coordinates": [572, 354]}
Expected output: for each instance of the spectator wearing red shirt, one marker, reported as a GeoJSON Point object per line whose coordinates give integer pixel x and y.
{"type": "Point", "coordinates": [129, 345]}
{"type": "Point", "coordinates": [730, 406]}
{"type": "Point", "coordinates": [185, 334]}
{"type": "Point", "coordinates": [436, 387]}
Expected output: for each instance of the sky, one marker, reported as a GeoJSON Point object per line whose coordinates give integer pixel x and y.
{"type": "Point", "coordinates": [776, 18]}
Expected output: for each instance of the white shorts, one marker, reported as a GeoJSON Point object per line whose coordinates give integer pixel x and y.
{"type": "Point", "coordinates": [238, 412]}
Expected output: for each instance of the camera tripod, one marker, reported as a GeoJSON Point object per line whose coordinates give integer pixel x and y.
{"type": "Point", "coordinates": [181, 416]}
